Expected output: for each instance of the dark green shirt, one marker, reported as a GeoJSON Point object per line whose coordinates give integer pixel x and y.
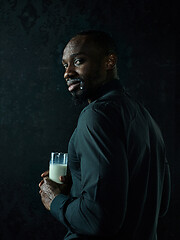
{"type": "Point", "coordinates": [121, 181]}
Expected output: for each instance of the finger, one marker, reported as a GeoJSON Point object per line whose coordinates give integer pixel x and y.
{"type": "Point", "coordinates": [45, 179]}
{"type": "Point", "coordinates": [45, 174]}
{"type": "Point", "coordinates": [62, 179]}
{"type": "Point", "coordinates": [48, 181]}
{"type": "Point", "coordinates": [40, 184]}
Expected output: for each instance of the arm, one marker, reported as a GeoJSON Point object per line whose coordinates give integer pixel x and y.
{"type": "Point", "coordinates": [101, 208]}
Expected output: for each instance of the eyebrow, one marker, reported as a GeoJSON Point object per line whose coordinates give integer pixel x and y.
{"type": "Point", "coordinates": [75, 54]}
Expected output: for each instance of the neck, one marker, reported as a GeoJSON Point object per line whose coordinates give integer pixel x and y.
{"type": "Point", "coordinates": [95, 92]}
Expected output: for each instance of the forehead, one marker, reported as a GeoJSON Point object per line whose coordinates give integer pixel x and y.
{"type": "Point", "coordinates": [78, 45]}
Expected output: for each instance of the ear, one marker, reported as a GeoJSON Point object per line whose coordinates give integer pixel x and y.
{"type": "Point", "coordinates": [111, 61]}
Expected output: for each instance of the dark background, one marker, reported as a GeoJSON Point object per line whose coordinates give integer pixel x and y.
{"type": "Point", "coordinates": [36, 112]}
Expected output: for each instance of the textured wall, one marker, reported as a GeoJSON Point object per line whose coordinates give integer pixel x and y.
{"type": "Point", "coordinates": [36, 113]}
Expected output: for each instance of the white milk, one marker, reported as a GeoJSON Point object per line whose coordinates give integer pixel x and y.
{"type": "Point", "coordinates": [57, 170]}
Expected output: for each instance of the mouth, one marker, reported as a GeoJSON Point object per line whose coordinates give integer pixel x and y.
{"type": "Point", "coordinates": [73, 84]}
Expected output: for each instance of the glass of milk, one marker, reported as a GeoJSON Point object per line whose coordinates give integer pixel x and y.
{"type": "Point", "coordinates": [58, 166]}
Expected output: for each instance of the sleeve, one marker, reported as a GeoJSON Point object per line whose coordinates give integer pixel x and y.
{"type": "Point", "coordinates": [101, 207]}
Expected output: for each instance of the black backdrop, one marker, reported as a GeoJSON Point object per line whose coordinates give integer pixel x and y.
{"type": "Point", "coordinates": [36, 113]}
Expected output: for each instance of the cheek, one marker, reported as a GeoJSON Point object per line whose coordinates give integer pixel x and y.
{"type": "Point", "coordinates": [91, 74]}
{"type": "Point", "coordinates": [85, 72]}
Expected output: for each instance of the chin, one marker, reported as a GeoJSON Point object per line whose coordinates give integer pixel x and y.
{"type": "Point", "coordinates": [80, 97]}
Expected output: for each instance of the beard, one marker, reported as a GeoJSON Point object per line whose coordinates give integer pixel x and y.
{"type": "Point", "coordinates": [80, 98]}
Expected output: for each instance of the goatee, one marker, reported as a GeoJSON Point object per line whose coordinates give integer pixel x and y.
{"type": "Point", "coordinates": [80, 99]}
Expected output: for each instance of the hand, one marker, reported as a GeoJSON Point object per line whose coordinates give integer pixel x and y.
{"type": "Point", "coordinates": [48, 191]}
{"type": "Point", "coordinates": [67, 182]}
{"type": "Point", "coordinates": [43, 175]}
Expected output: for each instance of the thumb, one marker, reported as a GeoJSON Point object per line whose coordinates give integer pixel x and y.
{"type": "Point", "coordinates": [62, 179]}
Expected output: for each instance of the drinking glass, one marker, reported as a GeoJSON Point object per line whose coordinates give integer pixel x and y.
{"type": "Point", "coordinates": [58, 166]}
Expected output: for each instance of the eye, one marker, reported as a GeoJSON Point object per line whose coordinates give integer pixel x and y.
{"type": "Point", "coordinates": [78, 61]}
{"type": "Point", "coordinates": [65, 65]}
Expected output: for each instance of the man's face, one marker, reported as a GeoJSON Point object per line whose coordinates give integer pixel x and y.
{"type": "Point", "coordinates": [85, 67]}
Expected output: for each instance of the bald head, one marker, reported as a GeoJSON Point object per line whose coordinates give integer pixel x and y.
{"type": "Point", "coordinates": [101, 40]}
{"type": "Point", "coordinates": [83, 44]}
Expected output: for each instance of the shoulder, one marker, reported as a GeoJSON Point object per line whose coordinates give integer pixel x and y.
{"type": "Point", "coordinates": [111, 108]}
{"type": "Point", "coordinates": [93, 114]}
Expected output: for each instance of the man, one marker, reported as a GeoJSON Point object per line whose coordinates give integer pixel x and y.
{"type": "Point", "coordinates": [120, 176]}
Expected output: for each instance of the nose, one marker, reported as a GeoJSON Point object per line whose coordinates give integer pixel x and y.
{"type": "Point", "coordinates": [69, 72]}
